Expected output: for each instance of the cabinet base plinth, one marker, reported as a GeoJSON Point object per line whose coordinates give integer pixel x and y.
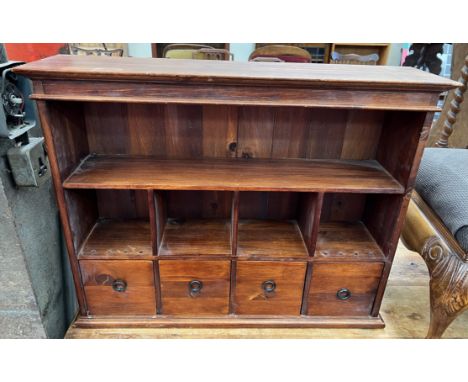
{"type": "Point", "coordinates": [231, 322]}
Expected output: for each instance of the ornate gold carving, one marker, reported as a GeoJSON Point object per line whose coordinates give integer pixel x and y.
{"type": "Point", "coordinates": [449, 283]}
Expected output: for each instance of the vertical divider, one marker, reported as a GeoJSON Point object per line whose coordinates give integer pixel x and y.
{"type": "Point", "coordinates": [234, 222]}
{"type": "Point", "coordinates": [309, 223]}
{"type": "Point", "coordinates": [309, 219]}
{"type": "Point", "coordinates": [234, 239]}
{"type": "Point", "coordinates": [157, 220]}
{"type": "Point", "coordinates": [152, 220]}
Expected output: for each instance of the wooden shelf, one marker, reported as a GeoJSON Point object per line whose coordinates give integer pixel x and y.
{"type": "Point", "coordinates": [265, 239]}
{"type": "Point", "coordinates": [130, 172]}
{"type": "Point", "coordinates": [346, 241]}
{"type": "Point", "coordinates": [196, 237]}
{"type": "Point", "coordinates": [116, 239]}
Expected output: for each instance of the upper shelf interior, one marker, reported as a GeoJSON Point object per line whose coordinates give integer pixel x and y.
{"type": "Point", "coordinates": [131, 172]}
{"type": "Point", "coordinates": [225, 72]}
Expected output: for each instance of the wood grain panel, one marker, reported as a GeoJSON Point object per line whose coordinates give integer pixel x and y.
{"type": "Point", "coordinates": [327, 131]}
{"type": "Point", "coordinates": [362, 134]}
{"type": "Point", "coordinates": [362, 280]}
{"type": "Point", "coordinates": [346, 241]}
{"type": "Point", "coordinates": [192, 71]}
{"type": "Point", "coordinates": [343, 207]}
{"type": "Point", "coordinates": [196, 237]}
{"type": "Point", "coordinates": [125, 172]}
{"type": "Point", "coordinates": [255, 132]}
{"type": "Point", "coordinates": [122, 204]}
{"type": "Point", "coordinates": [291, 132]}
{"type": "Point", "coordinates": [138, 297]}
{"type": "Point", "coordinates": [107, 128]}
{"type": "Point", "coordinates": [213, 298]}
{"type": "Point", "coordinates": [219, 126]}
{"type": "Point", "coordinates": [183, 131]}
{"type": "Point", "coordinates": [286, 299]}
{"type": "Point", "coordinates": [270, 239]}
{"type": "Point", "coordinates": [113, 239]}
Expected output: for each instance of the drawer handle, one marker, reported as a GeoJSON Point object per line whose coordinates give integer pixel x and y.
{"type": "Point", "coordinates": [269, 286]}
{"type": "Point", "coordinates": [195, 287]}
{"type": "Point", "coordinates": [119, 285]}
{"type": "Point", "coordinates": [343, 294]}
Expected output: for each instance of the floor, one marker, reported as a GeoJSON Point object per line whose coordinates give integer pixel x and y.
{"type": "Point", "coordinates": [405, 310]}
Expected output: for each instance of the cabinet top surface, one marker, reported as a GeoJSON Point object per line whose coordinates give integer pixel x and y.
{"type": "Point", "coordinates": [229, 72]}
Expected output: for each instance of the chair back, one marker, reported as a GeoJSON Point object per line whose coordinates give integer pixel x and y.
{"type": "Point", "coordinates": [280, 53]}
{"type": "Point", "coordinates": [354, 59]}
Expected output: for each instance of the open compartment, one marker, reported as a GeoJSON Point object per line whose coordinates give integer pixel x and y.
{"type": "Point", "coordinates": [230, 148]}
{"type": "Point", "coordinates": [357, 226]}
{"type": "Point", "coordinates": [194, 223]}
{"type": "Point", "coordinates": [276, 224]}
{"type": "Point", "coordinates": [110, 224]}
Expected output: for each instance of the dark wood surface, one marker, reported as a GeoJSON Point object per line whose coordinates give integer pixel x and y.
{"type": "Point", "coordinates": [263, 239]}
{"type": "Point", "coordinates": [257, 187]}
{"type": "Point", "coordinates": [285, 299]}
{"type": "Point", "coordinates": [242, 174]}
{"type": "Point", "coordinates": [196, 237]}
{"type": "Point", "coordinates": [213, 298]}
{"type": "Point", "coordinates": [362, 280]}
{"type": "Point", "coordinates": [186, 71]}
{"type": "Point", "coordinates": [138, 297]}
{"type": "Point", "coordinates": [127, 239]}
{"type": "Point", "coordinates": [346, 241]}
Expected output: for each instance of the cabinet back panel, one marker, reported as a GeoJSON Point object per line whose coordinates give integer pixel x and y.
{"type": "Point", "coordinates": [194, 131]}
{"type": "Point", "coordinates": [122, 204]}
{"type": "Point", "coordinates": [198, 204]}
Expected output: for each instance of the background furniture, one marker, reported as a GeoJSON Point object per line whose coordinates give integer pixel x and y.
{"type": "Point", "coordinates": [257, 195]}
{"type": "Point", "coordinates": [382, 50]}
{"type": "Point", "coordinates": [285, 53]}
{"type": "Point", "coordinates": [354, 59]}
{"type": "Point", "coordinates": [157, 49]}
{"type": "Point", "coordinates": [196, 52]}
{"type": "Point", "coordinates": [319, 52]}
{"type": "Point", "coordinates": [103, 49]}
{"type": "Point", "coordinates": [437, 221]}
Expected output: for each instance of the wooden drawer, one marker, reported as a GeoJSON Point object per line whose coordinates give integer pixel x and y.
{"type": "Point", "coordinates": [357, 283]}
{"type": "Point", "coordinates": [269, 288]}
{"type": "Point", "coordinates": [192, 287]}
{"type": "Point", "coordinates": [119, 287]}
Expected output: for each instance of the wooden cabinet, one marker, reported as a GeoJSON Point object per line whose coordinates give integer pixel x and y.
{"type": "Point", "coordinates": [231, 194]}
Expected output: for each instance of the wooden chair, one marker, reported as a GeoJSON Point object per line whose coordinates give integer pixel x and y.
{"type": "Point", "coordinates": [354, 59]}
{"type": "Point", "coordinates": [427, 231]}
{"type": "Point", "coordinates": [104, 51]}
{"type": "Point", "coordinates": [280, 53]}
{"type": "Point", "coordinates": [196, 52]}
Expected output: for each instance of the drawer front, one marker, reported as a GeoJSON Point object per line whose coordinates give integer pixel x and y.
{"type": "Point", "coordinates": [191, 287]}
{"type": "Point", "coordinates": [343, 289]}
{"type": "Point", "coordinates": [269, 288]}
{"type": "Point", "coordinates": [119, 287]}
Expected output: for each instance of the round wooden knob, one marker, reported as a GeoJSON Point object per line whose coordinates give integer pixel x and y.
{"type": "Point", "coordinates": [269, 286]}
{"type": "Point", "coordinates": [119, 285]}
{"type": "Point", "coordinates": [343, 294]}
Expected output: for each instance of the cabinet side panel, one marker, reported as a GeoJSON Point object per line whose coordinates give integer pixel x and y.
{"type": "Point", "coordinates": [51, 120]}
{"type": "Point", "coordinates": [399, 141]}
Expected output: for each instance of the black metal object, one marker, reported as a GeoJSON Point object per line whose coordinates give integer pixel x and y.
{"type": "Point", "coordinates": [119, 285]}
{"type": "Point", "coordinates": [269, 286]}
{"type": "Point", "coordinates": [195, 287]}
{"type": "Point", "coordinates": [343, 294]}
